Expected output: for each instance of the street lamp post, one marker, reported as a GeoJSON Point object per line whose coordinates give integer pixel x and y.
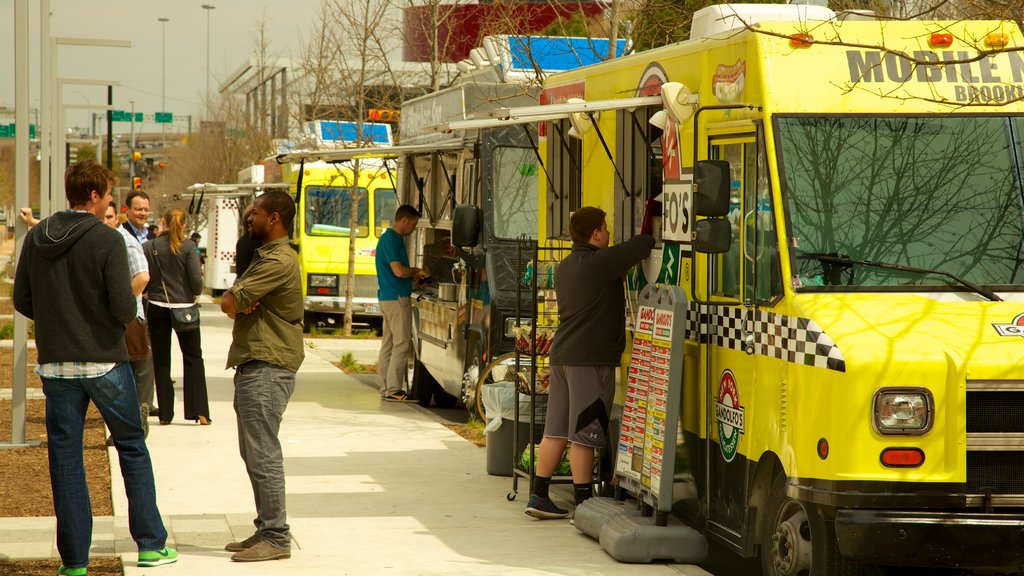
{"type": "Point", "coordinates": [208, 8]}
{"type": "Point", "coordinates": [163, 63]}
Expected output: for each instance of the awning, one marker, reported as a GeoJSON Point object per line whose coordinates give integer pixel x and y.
{"type": "Point", "coordinates": [240, 189]}
{"type": "Point", "coordinates": [342, 154]}
{"type": "Point", "coordinates": [567, 108]}
{"type": "Point", "coordinates": [529, 114]}
{"type": "Point", "coordinates": [481, 123]}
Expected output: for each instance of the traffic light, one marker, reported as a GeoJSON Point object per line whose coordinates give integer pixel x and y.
{"type": "Point", "coordinates": [137, 183]}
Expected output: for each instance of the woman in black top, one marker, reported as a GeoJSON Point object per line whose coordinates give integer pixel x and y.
{"type": "Point", "coordinates": [174, 282]}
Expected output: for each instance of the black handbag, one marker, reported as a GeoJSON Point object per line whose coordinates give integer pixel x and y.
{"type": "Point", "coordinates": [182, 319]}
{"type": "Point", "coordinates": [185, 319]}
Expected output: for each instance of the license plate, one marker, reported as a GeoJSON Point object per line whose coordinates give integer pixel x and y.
{"type": "Point", "coordinates": [373, 308]}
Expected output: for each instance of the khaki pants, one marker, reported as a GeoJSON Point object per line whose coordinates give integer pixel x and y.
{"type": "Point", "coordinates": [394, 345]}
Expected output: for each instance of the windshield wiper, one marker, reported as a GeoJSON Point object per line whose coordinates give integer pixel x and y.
{"type": "Point", "coordinates": [836, 259]}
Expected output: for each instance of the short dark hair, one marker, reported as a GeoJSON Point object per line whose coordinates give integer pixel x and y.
{"type": "Point", "coordinates": [281, 202]}
{"type": "Point", "coordinates": [133, 195]}
{"type": "Point", "coordinates": [584, 222]}
{"type": "Point", "coordinates": [406, 211]}
{"type": "Point", "coordinates": [82, 178]}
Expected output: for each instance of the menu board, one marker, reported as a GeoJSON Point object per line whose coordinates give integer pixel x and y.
{"type": "Point", "coordinates": [645, 463]}
{"type": "Point", "coordinates": [634, 409]}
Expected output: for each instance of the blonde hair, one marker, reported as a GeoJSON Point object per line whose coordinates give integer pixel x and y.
{"type": "Point", "coordinates": [175, 228]}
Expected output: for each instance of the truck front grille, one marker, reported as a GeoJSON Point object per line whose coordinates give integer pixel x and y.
{"type": "Point", "coordinates": [995, 412]}
{"type": "Point", "coordinates": [991, 472]}
{"type": "Point", "coordinates": [365, 286]}
{"type": "Point", "coordinates": [995, 438]}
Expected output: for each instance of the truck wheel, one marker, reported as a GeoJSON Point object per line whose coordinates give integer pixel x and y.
{"type": "Point", "coordinates": [308, 320]}
{"type": "Point", "coordinates": [471, 377]}
{"type": "Point", "coordinates": [797, 541]}
{"type": "Point", "coordinates": [422, 385]}
{"type": "Point", "coordinates": [444, 399]}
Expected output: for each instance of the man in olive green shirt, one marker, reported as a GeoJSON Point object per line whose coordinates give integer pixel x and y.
{"type": "Point", "coordinates": [266, 352]}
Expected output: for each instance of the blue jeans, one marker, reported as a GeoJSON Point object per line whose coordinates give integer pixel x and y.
{"type": "Point", "coordinates": [66, 402]}
{"type": "Point", "coordinates": [262, 391]}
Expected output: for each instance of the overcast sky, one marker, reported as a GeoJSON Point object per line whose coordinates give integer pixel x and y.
{"type": "Point", "coordinates": [138, 69]}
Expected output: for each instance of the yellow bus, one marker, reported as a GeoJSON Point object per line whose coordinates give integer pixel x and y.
{"type": "Point", "coordinates": [842, 200]}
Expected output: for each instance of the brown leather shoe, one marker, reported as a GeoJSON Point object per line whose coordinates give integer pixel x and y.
{"type": "Point", "coordinates": [261, 552]}
{"type": "Point", "coordinates": [244, 544]}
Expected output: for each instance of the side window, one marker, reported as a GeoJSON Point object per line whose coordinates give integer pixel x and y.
{"type": "Point", "coordinates": [563, 160]}
{"type": "Point", "coordinates": [639, 159]}
{"type": "Point", "coordinates": [725, 271]}
{"type": "Point", "coordinates": [469, 182]}
{"type": "Point", "coordinates": [763, 276]}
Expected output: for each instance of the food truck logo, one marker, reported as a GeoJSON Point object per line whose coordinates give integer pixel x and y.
{"type": "Point", "coordinates": [1015, 328]}
{"type": "Point", "coordinates": [727, 83]}
{"type": "Point", "coordinates": [728, 415]}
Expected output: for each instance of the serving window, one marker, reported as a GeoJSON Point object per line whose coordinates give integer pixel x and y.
{"type": "Point", "coordinates": [565, 194]}
{"type": "Point", "coordinates": [638, 158]}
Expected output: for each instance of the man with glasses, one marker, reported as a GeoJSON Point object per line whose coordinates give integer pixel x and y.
{"type": "Point", "coordinates": [137, 204]}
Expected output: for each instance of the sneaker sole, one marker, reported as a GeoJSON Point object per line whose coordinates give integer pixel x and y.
{"type": "Point", "coordinates": [155, 563]}
{"type": "Point", "coordinates": [544, 515]}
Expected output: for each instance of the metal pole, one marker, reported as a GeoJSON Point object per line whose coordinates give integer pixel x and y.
{"type": "Point", "coordinates": [208, 7]}
{"type": "Point", "coordinates": [131, 155]}
{"type": "Point", "coordinates": [163, 59]}
{"type": "Point", "coordinates": [47, 76]}
{"type": "Point", "coordinates": [21, 175]}
{"type": "Point", "coordinates": [110, 128]}
{"type": "Point", "coordinates": [56, 200]}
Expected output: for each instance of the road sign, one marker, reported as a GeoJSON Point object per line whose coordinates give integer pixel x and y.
{"type": "Point", "coordinates": [164, 117]}
{"type": "Point", "coordinates": [8, 130]}
{"type": "Point", "coordinates": [122, 116]}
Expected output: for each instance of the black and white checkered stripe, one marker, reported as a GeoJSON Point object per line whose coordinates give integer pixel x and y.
{"type": "Point", "coordinates": [796, 340]}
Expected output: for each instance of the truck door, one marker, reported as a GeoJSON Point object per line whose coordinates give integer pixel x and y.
{"type": "Point", "coordinates": [740, 283]}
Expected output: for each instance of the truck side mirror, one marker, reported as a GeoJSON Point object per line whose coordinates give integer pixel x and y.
{"type": "Point", "coordinates": [711, 180]}
{"type": "Point", "coordinates": [466, 226]}
{"type": "Point", "coordinates": [712, 236]}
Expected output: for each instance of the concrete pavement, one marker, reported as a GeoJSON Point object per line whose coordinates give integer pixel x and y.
{"type": "Point", "coordinates": [373, 488]}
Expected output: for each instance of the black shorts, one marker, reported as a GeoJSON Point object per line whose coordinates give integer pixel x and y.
{"type": "Point", "coordinates": [579, 404]}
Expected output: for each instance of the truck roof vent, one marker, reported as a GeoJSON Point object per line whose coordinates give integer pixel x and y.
{"type": "Point", "coordinates": [724, 17]}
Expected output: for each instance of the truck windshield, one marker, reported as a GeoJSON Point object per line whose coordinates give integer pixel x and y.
{"type": "Point", "coordinates": [328, 211]}
{"type": "Point", "coordinates": [941, 193]}
{"type": "Point", "coordinates": [515, 192]}
{"type": "Point", "coordinates": [385, 202]}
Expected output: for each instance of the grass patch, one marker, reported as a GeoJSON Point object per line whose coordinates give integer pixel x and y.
{"type": "Point", "coordinates": [349, 365]}
{"type": "Point", "coordinates": [472, 431]}
{"type": "Point", "coordinates": [7, 330]}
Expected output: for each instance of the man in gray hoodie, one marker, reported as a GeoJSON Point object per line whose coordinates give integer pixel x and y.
{"type": "Point", "coordinates": [585, 355]}
{"type": "Point", "coordinates": [73, 281]}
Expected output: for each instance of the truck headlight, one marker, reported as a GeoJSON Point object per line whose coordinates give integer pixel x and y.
{"type": "Point", "coordinates": [903, 410]}
{"type": "Point", "coordinates": [323, 280]}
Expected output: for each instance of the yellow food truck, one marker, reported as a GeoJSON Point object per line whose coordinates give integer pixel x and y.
{"type": "Point", "coordinates": [322, 234]}
{"type": "Point", "coordinates": [843, 200]}
{"type": "Point", "coordinates": [343, 205]}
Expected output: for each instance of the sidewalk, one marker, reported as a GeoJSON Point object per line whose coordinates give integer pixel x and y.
{"type": "Point", "coordinates": [373, 488]}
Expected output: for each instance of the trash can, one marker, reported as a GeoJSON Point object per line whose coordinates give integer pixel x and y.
{"type": "Point", "coordinates": [499, 403]}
